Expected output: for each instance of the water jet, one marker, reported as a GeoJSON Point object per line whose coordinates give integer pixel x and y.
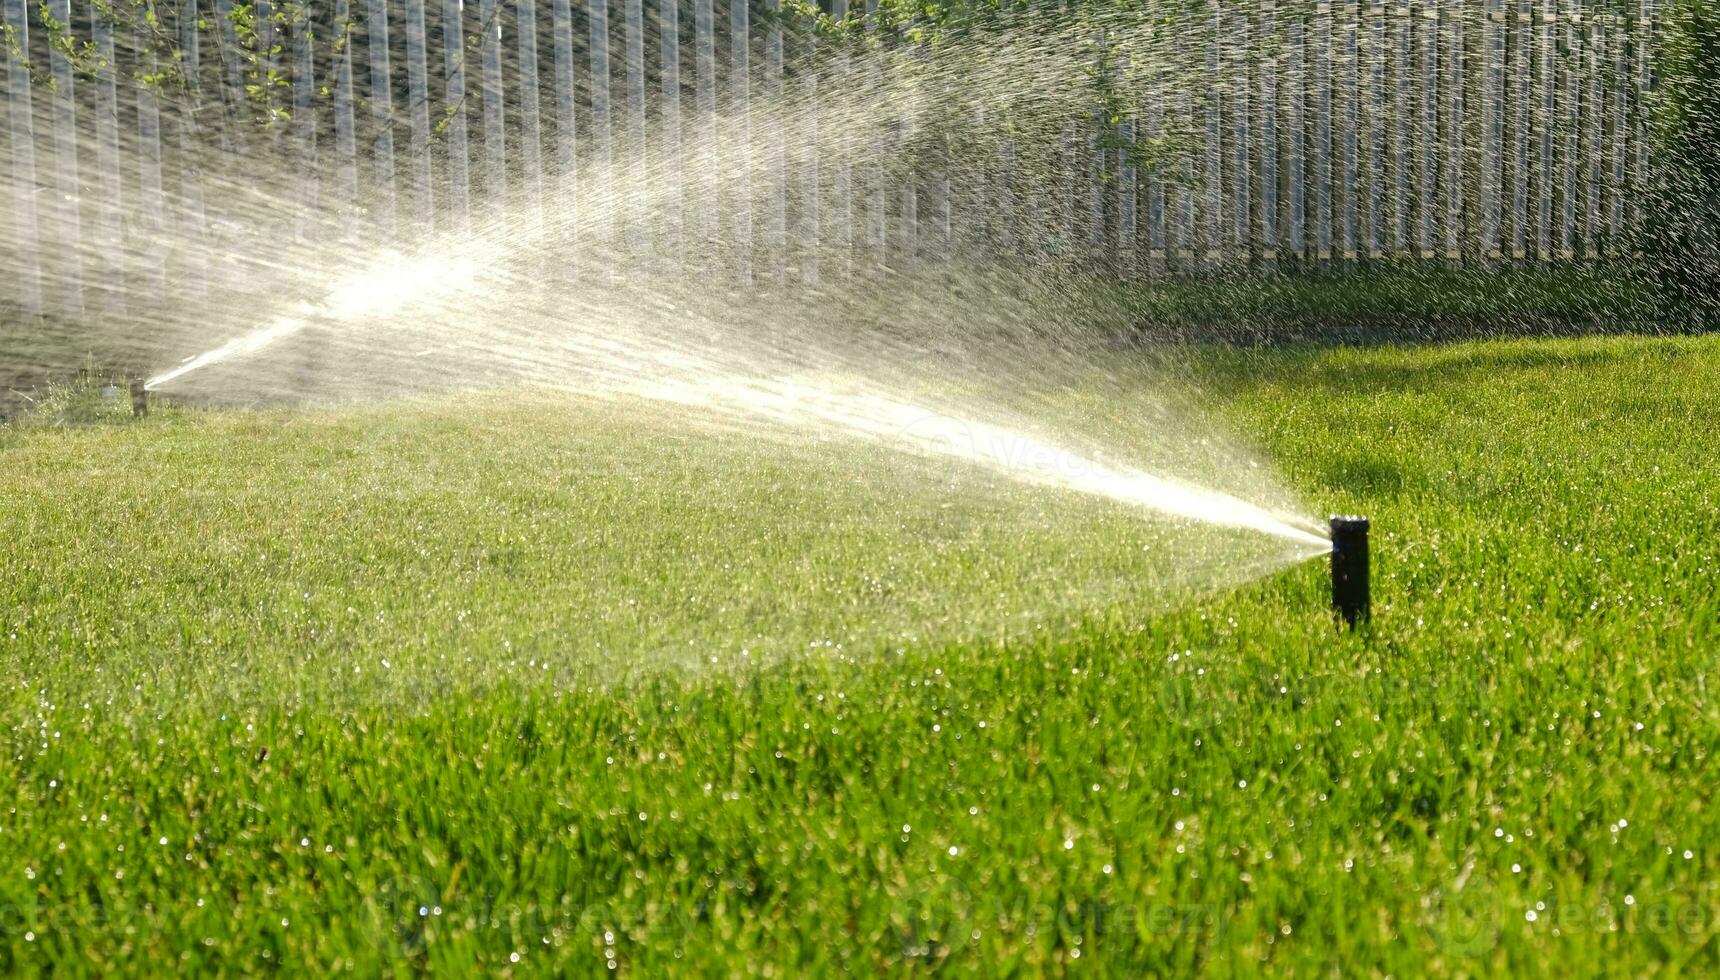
{"type": "Point", "coordinates": [1350, 568]}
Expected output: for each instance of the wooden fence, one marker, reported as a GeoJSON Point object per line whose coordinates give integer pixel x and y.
{"type": "Point", "coordinates": [1281, 134]}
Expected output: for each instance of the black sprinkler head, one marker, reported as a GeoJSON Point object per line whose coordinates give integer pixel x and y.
{"type": "Point", "coordinates": [139, 398]}
{"type": "Point", "coordinates": [1350, 568]}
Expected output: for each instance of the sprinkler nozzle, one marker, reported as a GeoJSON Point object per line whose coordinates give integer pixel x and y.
{"type": "Point", "coordinates": [1350, 568]}
{"type": "Point", "coordinates": [139, 398]}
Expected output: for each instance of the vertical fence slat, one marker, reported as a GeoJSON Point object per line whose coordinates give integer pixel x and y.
{"type": "Point", "coordinates": [1296, 134]}
{"type": "Point", "coordinates": [1097, 131]}
{"type": "Point", "coordinates": [1403, 126]}
{"type": "Point", "coordinates": [1456, 141]}
{"type": "Point", "coordinates": [23, 177]}
{"type": "Point", "coordinates": [1619, 135]}
{"type": "Point", "coordinates": [1242, 139]}
{"type": "Point", "coordinates": [740, 95]}
{"type": "Point", "coordinates": [345, 139]}
{"type": "Point", "coordinates": [705, 72]}
{"type": "Point", "coordinates": [263, 18]}
{"type": "Point", "coordinates": [877, 210]}
{"type": "Point", "coordinates": [1520, 73]}
{"type": "Point", "coordinates": [601, 176]}
{"type": "Point", "coordinates": [1569, 126]}
{"type": "Point", "coordinates": [1647, 31]}
{"type": "Point", "coordinates": [193, 214]}
{"type": "Point", "coordinates": [1351, 65]}
{"type": "Point", "coordinates": [1212, 196]}
{"type": "Point", "coordinates": [1128, 219]}
{"type": "Point", "coordinates": [777, 232]}
{"type": "Point", "coordinates": [842, 190]}
{"type": "Point", "coordinates": [111, 203]}
{"type": "Point", "coordinates": [490, 81]}
{"type": "Point", "coordinates": [633, 12]}
{"type": "Point", "coordinates": [1269, 132]}
{"type": "Point", "coordinates": [1323, 132]}
{"type": "Point", "coordinates": [1155, 96]}
{"type": "Point", "coordinates": [68, 223]}
{"type": "Point", "coordinates": [149, 166]}
{"type": "Point", "coordinates": [418, 102]}
{"type": "Point", "coordinates": [531, 122]}
{"type": "Point", "coordinates": [809, 231]}
{"type": "Point", "coordinates": [1095, 173]}
{"type": "Point", "coordinates": [1595, 120]}
{"type": "Point", "coordinates": [1377, 115]}
{"type": "Point", "coordinates": [304, 119]}
{"type": "Point", "coordinates": [381, 185]}
{"type": "Point", "coordinates": [1492, 124]}
{"type": "Point", "coordinates": [459, 154]}
{"type": "Point", "coordinates": [566, 124]}
{"type": "Point", "coordinates": [1427, 148]}
{"type": "Point", "coordinates": [669, 126]}
{"type": "Point", "coordinates": [1542, 187]}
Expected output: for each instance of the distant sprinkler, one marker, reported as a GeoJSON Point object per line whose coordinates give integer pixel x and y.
{"type": "Point", "coordinates": [139, 398]}
{"type": "Point", "coordinates": [1350, 568]}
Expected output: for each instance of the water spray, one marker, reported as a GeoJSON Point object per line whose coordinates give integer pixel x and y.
{"type": "Point", "coordinates": [1350, 568]}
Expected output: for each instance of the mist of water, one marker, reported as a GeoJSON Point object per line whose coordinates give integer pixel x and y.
{"type": "Point", "coordinates": [631, 275]}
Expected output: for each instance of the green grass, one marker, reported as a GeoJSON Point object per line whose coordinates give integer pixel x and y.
{"type": "Point", "coordinates": [1023, 749]}
{"type": "Point", "coordinates": [1410, 300]}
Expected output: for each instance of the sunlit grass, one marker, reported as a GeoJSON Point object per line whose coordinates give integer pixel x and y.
{"type": "Point", "coordinates": [431, 686]}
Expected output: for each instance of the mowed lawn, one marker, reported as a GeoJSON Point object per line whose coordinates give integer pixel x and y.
{"type": "Point", "coordinates": [511, 684]}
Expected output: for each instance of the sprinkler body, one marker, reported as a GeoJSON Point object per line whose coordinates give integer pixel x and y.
{"type": "Point", "coordinates": [139, 398]}
{"type": "Point", "coordinates": [1350, 568]}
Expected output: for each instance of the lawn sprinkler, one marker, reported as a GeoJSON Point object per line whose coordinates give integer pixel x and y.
{"type": "Point", "coordinates": [1350, 568]}
{"type": "Point", "coordinates": [139, 398]}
